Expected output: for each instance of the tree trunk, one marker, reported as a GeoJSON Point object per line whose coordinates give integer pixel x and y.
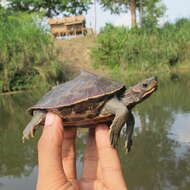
{"type": "Point", "coordinates": [6, 87]}
{"type": "Point", "coordinates": [132, 7]}
{"type": "Point", "coordinates": [141, 13]}
{"type": "Point", "coordinates": [95, 17]}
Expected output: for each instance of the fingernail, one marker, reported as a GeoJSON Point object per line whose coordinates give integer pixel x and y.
{"type": "Point", "coordinates": [50, 117]}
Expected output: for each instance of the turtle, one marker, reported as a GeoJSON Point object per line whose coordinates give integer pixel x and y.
{"type": "Point", "coordinates": [91, 99]}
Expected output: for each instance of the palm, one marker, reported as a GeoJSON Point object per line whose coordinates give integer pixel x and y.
{"type": "Point", "coordinates": [93, 185]}
{"type": "Point", "coordinates": [101, 168]}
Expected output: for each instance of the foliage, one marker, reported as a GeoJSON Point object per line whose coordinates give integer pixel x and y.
{"type": "Point", "coordinates": [27, 57]}
{"type": "Point", "coordinates": [142, 49]}
{"type": "Point", "coordinates": [149, 10]}
{"type": "Point", "coordinates": [152, 11]}
{"type": "Point", "coordinates": [116, 6]}
{"type": "Point", "coordinates": [122, 6]}
{"type": "Point", "coordinates": [110, 45]}
{"type": "Point", "coordinates": [50, 7]}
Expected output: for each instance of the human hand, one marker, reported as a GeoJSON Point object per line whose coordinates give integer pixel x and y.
{"type": "Point", "coordinates": [57, 160]}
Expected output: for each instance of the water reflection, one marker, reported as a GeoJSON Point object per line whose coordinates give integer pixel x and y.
{"type": "Point", "coordinates": [16, 160]}
{"type": "Point", "coordinates": [161, 152]}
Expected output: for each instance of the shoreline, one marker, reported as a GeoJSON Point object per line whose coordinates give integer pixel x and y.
{"type": "Point", "coordinates": [11, 92]}
{"type": "Point", "coordinates": [108, 72]}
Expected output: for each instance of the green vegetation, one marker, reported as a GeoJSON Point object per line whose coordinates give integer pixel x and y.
{"type": "Point", "coordinates": [49, 7]}
{"type": "Point", "coordinates": [143, 49]}
{"type": "Point", "coordinates": [149, 11]}
{"type": "Point", "coordinates": [27, 58]}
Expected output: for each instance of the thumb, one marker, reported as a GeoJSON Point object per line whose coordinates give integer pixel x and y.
{"type": "Point", "coordinates": [50, 153]}
{"type": "Point", "coordinates": [52, 134]}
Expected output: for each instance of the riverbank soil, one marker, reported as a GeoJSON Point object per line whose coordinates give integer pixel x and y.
{"type": "Point", "coordinates": [75, 53]}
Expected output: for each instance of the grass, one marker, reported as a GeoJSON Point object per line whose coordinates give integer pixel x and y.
{"type": "Point", "coordinates": [28, 58]}
{"type": "Point", "coordinates": [143, 50]}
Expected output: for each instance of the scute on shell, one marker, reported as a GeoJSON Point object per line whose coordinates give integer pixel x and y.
{"type": "Point", "coordinates": [82, 88]}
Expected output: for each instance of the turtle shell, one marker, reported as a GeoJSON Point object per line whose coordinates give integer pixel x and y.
{"type": "Point", "coordinates": [85, 87]}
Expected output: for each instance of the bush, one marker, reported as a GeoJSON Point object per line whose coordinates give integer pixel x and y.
{"type": "Point", "coordinates": [27, 57]}
{"type": "Point", "coordinates": [110, 46]}
{"type": "Point", "coordinates": [141, 49]}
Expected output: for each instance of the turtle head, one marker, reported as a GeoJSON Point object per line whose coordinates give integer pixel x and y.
{"type": "Point", "coordinates": [140, 91]}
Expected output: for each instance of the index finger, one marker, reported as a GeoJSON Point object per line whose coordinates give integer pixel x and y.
{"type": "Point", "coordinates": [109, 160]}
{"type": "Point", "coordinates": [68, 153]}
{"type": "Point", "coordinates": [49, 154]}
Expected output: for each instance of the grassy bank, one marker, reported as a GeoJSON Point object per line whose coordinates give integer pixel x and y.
{"type": "Point", "coordinates": [143, 49]}
{"type": "Point", "coordinates": [28, 58]}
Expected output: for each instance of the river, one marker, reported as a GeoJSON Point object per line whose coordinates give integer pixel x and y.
{"type": "Point", "coordinates": [160, 156]}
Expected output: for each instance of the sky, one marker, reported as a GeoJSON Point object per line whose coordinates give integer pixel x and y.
{"type": "Point", "coordinates": [175, 9]}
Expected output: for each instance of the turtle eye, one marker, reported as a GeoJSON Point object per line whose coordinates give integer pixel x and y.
{"type": "Point", "coordinates": [145, 85]}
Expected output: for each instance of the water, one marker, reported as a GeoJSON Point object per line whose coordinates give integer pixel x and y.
{"type": "Point", "coordinates": [160, 155]}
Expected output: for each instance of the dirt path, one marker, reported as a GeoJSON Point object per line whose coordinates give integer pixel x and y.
{"type": "Point", "coordinates": [75, 53]}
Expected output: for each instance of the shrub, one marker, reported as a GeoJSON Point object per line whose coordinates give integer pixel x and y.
{"type": "Point", "coordinates": [27, 57]}
{"type": "Point", "coordinates": [110, 46]}
{"type": "Point", "coordinates": [141, 49]}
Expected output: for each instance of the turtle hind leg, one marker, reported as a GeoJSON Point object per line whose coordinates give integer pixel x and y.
{"type": "Point", "coordinates": [37, 118]}
{"type": "Point", "coordinates": [129, 131]}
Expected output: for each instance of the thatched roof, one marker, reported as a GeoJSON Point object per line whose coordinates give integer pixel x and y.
{"type": "Point", "coordinates": [67, 20]}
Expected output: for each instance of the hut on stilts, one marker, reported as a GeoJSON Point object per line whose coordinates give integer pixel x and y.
{"type": "Point", "coordinates": [68, 26]}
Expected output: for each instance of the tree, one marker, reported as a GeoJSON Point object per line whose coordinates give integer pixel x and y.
{"type": "Point", "coordinates": [119, 6]}
{"type": "Point", "coordinates": [149, 10]}
{"type": "Point", "coordinates": [50, 7]}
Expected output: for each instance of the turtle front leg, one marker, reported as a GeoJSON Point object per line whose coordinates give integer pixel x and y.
{"type": "Point", "coordinates": [38, 117]}
{"type": "Point", "coordinates": [116, 126]}
{"type": "Point", "coordinates": [129, 131]}
{"type": "Point", "coordinates": [116, 107]}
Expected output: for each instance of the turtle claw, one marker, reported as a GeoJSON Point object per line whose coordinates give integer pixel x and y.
{"type": "Point", "coordinates": [128, 145]}
{"type": "Point", "coordinates": [27, 134]}
{"type": "Point", "coordinates": [114, 136]}
{"type": "Point", "coordinates": [25, 138]}
{"type": "Point", "coordinates": [32, 132]}
{"type": "Point", "coordinates": [129, 132]}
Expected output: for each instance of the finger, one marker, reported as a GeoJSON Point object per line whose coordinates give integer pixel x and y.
{"type": "Point", "coordinates": [109, 160]}
{"type": "Point", "coordinates": [99, 172]}
{"type": "Point", "coordinates": [68, 153]}
{"type": "Point", "coordinates": [50, 153]}
{"type": "Point", "coordinates": [96, 185]}
{"type": "Point", "coordinates": [99, 186]}
{"type": "Point", "coordinates": [90, 159]}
